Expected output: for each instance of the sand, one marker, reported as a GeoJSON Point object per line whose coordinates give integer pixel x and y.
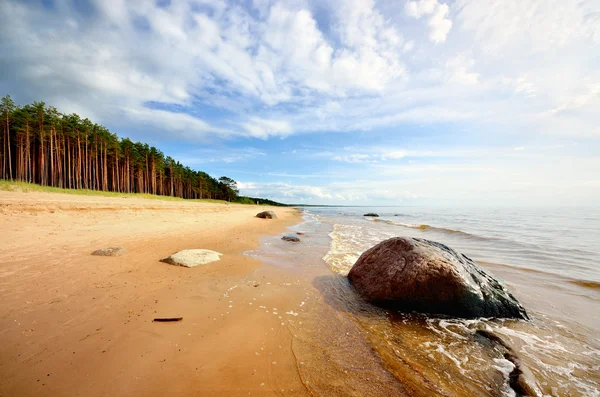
{"type": "Point", "coordinates": [72, 324]}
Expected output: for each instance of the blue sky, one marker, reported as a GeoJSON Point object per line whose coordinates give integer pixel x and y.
{"type": "Point", "coordinates": [466, 102]}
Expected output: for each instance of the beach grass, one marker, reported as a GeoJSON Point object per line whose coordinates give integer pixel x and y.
{"type": "Point", "coordinates": [25, 187]}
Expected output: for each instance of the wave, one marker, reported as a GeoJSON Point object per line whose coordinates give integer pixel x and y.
{"type": "Point", "coordinates": [426, 227]}
{"type": "Point", "coordinates": [595, 285]}
{"type": "Point", "coordinates": [587, 284]}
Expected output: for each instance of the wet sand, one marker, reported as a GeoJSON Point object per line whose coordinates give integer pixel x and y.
{"type": "Point", "coordinates": [72, 324]}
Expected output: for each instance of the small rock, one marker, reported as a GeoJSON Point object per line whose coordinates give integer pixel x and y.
{"type": "Point", "coordinates": [372, 214]}
{"type": "Point", "coordinates": [521, 380]}
{"type": "Point", "coordinates": [266, 215]}
{"type": "Point", "coordinates": [291, 238]}
{"type": "Point", "coordinates": [110, 251]}
{"type": "Point", "coordinates": [300, 233]}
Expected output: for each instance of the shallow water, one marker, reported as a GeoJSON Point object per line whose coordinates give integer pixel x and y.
{"type": "Point", "coordinates": [349, 347]}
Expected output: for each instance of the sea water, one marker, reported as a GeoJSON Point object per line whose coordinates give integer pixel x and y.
{"type": "Point", "coordinates": [549, 259]}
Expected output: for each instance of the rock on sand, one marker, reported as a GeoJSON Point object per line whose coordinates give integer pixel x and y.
{"type": "Point", "coordinates": [192, 258]}
{"type": "Point", "coordinates": [266, 215]}
{"type": "Point", "coordinates": [110, 251]}
{"type": "Point", "coordinates": [413, 274]}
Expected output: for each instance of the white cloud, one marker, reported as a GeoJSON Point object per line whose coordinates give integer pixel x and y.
{"type": "Point", "coordinates": [278, 69]}
{"type": "Point", "coordinates": [373, 155]}
{"type": "Point", "coordinates": [460, 70]}
{"type": "Point", "coordinates": [473, 176]}
{"type": "Point", "coordinates": [353, 158]}
{"type": "Point", "coordinates": [197, 157]}
{"type": "Point", "coordinates": [285, 192]}
{"type": "Point", "coordinates": [533, 26]}
{"type": "Point", "coordinates": [263, 128]}
{"type": "Point", "coordinates": [171, 121]}
{"type": "Point", "coordinates": [394, 155]}
{"type": "Point", "coordinates": [592, 96]}
{"type": "Point", "coordinates": [437, 13]}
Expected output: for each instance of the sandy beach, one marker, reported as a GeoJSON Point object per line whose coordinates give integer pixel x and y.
{"type": "Point", "coordinates": [72, 324]}
{"type": "Point", "coordinates": [269, 318]}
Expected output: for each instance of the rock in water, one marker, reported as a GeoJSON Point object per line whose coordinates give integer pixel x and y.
{"type": "Point", "coordinates": [520, 379]}
{"type": "Point", "coordinates": [412, 274]}
{"type": "Point", "coordinates": [266, 215]}
{"type": "Point", "coordinates": [192, 258]}
{"type": "Point", "coordinates": [291, 237]}
{"type": "Point", "coordinates": [372, 214]}
{"type": "Point", "coordinates": [110, 251]}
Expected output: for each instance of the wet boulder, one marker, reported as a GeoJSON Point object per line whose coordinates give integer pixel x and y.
{"type": "Point", "coordinates": [372, 214]}
{"type": "Point", "coordinates": [292, 238]}
{"type": "Point", "coordinates": [266, 215]}
{"type": "Point", "coordinates": [413, 274]}
{"type": "Point", "coordinates": [110, 251]}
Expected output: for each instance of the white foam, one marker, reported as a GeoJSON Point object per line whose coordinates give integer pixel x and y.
{"type": "Point", "coordinates": [505, 367]}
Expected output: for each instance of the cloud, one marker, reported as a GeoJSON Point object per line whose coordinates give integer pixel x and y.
{"type": "Point", "coordinates": [353, 158]}
{"type": "Point", "coordinates": [474, 176]}
{"type": "Point", "coordinates": [437, 14]}
{"type": "Point", "coordinates": [284, 192]}
{"type": "Point", "coordinates": [190, 127]}
{"type": "Point", "coordinates": [200, 70]}
{"type": "Point", "coordinates": [196, 157]}
{"type": "Point", "coordinates": [460, 70]}
{"type": "Point", "coordinates": [592, 96]}
{"type": "Point", "coordinates": [263, 128]}
{"type": "Point", "coordinates": [374, 155]}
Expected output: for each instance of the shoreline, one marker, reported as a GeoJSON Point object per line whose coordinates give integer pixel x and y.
{"type": "Point", "coordinates": [74, 324]}
{"type": "Point", "coordinates": [559, 344]}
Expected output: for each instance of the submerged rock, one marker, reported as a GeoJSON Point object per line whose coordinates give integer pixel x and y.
{"type": "Point", "coordinates": [266, 215]}
{"type": "Point", "coordinates": [192, 258]}
{"type": "Point", "coordinates": [372, 214]}
{"type": "Point", "coordinates": [520, 378]}
{"type": "Point", "coordinates": [412, 274]}
{"type": "Point", "coordinates": [110, 251]}
{"type": "Point", "coordinates": [291, 237]}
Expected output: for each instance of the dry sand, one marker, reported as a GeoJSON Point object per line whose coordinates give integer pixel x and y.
{"type": "Point", "coordinates": [72, 324]}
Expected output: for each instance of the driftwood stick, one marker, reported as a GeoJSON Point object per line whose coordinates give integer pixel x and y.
{"type": "Point", "coordinates": [168, 319]}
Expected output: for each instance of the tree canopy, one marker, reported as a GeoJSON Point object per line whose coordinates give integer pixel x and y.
{"type": "Point", "coordinates": [41, 145]}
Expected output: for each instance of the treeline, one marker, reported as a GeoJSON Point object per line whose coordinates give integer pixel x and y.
{"type": "Point", "coordinates": [259, 201]}
{"type": "Point", "coordinates": [41, 145]}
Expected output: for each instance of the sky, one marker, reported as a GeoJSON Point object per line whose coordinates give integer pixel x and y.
{"type": "Point", "coordinates": [358, 102]}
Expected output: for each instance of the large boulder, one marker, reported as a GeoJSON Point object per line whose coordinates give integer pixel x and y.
{"type": "Point", "coordinates": [192, 258]}
{"type": "Point", "coordinates": [110, 251]}
{"type": "Point", "coordinates": [412, 274]}
{"type": "Point", "coordinates": [266, 215]}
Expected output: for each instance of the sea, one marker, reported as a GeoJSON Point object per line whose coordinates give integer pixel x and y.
{"type": "Point", "coordinates": [548, 257]}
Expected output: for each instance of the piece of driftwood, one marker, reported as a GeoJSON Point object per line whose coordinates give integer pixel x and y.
{"type": "Point", "coordinates": [167, 319]}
